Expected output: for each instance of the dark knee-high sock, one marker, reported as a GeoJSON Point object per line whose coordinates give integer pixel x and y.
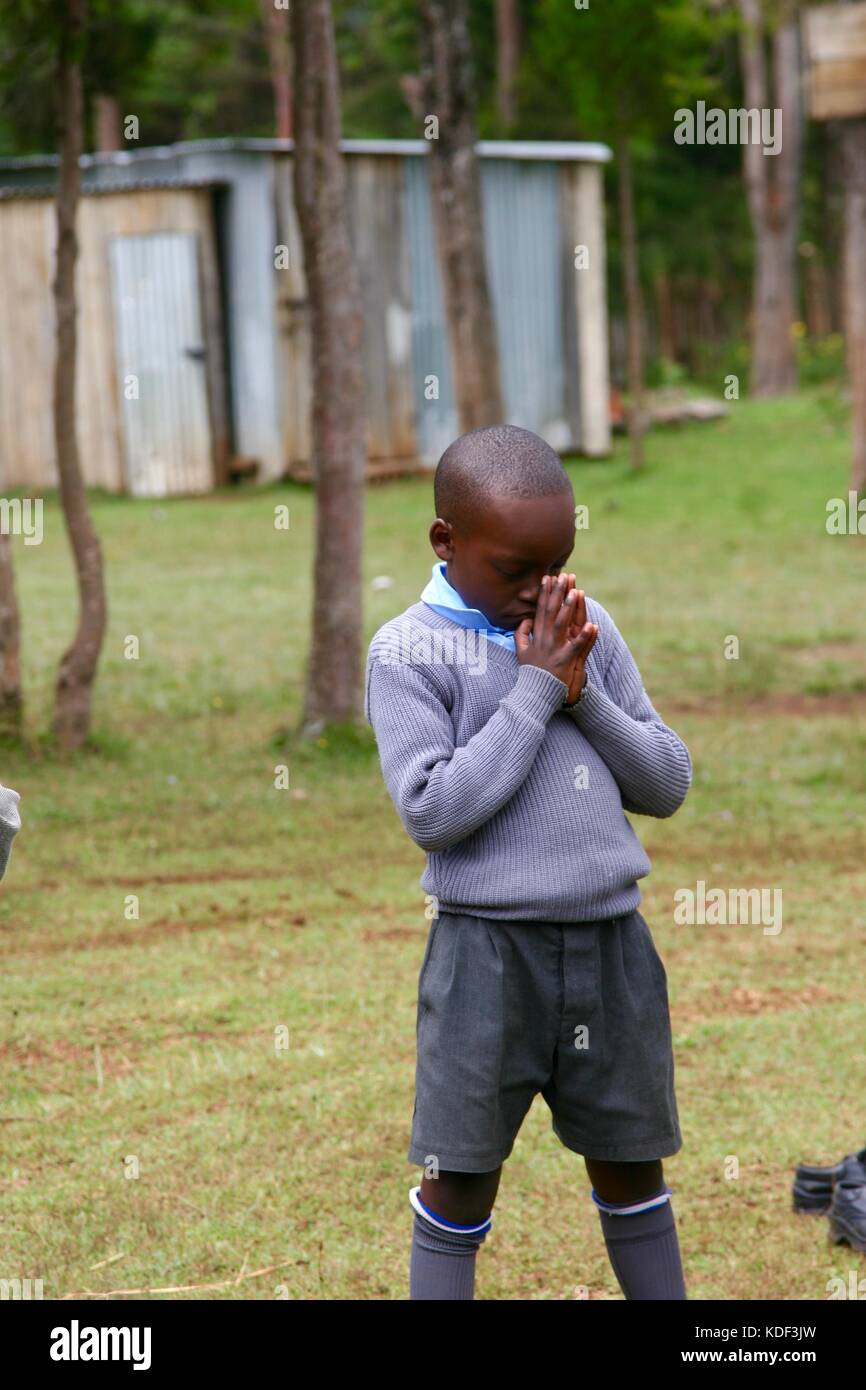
{"type": "Point", "coordinates": [442, 1264]}
{"type": "Point", "coordinates": [642, 1244]}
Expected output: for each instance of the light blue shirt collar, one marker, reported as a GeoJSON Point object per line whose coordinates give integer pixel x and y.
{"type": "Point", "coordinates": [444, 599]}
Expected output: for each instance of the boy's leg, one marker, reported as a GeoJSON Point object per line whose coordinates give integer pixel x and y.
{"type": "Point", "coordinates": [639, 1230]}
{"type": "Point", "coordinates": [452, 1218]}
{"type": "Point", "coordinates": [463, 1197]}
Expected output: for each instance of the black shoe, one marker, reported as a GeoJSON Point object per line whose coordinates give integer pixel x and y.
{"type": "Point", "coordinates": [813, 1187]}
{"type": "Point", "coordinates": [848, 1207]}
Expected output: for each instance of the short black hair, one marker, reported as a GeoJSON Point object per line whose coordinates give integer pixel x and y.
{"type": "Point", "coordinates": [495, 461]}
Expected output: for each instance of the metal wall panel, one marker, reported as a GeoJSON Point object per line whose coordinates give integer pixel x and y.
{"type": "Point", "coordinates": [160, 342]}
{"type": "Point", "coordinates": [376, 220]}
{"type": "Point", "coordinates": [522, 225]}
{"type": "Point", "coordinates": [524, 264]}
{"type": "Point", "coordinates": [436, 421]}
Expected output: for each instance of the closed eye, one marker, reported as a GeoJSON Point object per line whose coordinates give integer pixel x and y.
{"type": "Point", "coordinates": [507, 574]}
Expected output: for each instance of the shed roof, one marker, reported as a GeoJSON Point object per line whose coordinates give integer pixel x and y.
{"type": "Point", "coordinates": [562, 151]}
{"type": "Point", "coordinates": [49, 190]}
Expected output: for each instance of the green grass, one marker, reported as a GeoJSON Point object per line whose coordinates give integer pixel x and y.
{"type": "Point", "coordinates": [153, 1038]}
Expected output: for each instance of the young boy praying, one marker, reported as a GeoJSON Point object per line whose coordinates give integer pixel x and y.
{"type": "Point", "coordinates": [513, 773]}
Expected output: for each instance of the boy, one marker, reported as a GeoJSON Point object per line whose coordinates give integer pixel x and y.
{"type": "Point", "coordinates": [512, 769]}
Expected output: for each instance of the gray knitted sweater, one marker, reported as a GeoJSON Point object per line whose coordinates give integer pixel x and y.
{"type": "Point", "coordinates": [518, 803]}
{"type": "Point", "coordinates": [10, 824]}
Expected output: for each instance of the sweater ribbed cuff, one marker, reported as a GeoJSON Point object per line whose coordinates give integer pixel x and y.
{"type": "Point", "coordinates": [595, 702]}
{"type": "Point", "coordinates": [537, 692]}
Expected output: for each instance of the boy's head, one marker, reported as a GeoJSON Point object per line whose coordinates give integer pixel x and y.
{"type": "Point", "coordinates": [504, 519]}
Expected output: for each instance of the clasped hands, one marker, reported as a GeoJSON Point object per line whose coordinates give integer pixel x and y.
{"type": "Point", "coordinates": [562, 639]}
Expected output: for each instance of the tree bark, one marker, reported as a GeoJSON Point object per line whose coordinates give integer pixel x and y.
{"type": "Point", "coordinates": [448, 94]}
{"type": "Point", "coordinates": [107, 123]}
{"type": "Point", "coordinates": [276, 24]}
{"type": "Point", "coordinates": [773, 195]}
{"type": "Point", "coordinates": [853, 142]}
{"type": "Point", "coordinates": [665, 316]}
{"type": "Point", "coordinates": [819, 320]}
{"type": "Point", "coordinates": [338, 427]}
{"type": "Point", "coordinates": [507, 57]}
{"type": "Point", "coordinates": [10, 646]}
{"type": "Point", "coordinates": [633, 300]}
{"type": "Point", "coordinates": [78, 664]}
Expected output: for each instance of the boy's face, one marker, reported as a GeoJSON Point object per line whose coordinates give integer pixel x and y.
{"type": "Point", "coordinates": [499, 567]}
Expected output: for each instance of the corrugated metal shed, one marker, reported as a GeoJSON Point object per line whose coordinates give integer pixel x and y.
{"type": "Point", "coordinates": [134, 329]}
{"type": "Point", "coordinates": [540, 201]}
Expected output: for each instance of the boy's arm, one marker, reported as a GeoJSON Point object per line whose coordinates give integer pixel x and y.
{"type": "Point", "coordinates": [443, 793]}
{"type": "Point", "coordinates": [650, 762]}
{"type": "Point", "coordinates": [10, 824]}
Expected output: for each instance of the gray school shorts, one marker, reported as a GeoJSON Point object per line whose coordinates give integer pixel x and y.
{"type": "Point", "coordinates": [575, 1010]}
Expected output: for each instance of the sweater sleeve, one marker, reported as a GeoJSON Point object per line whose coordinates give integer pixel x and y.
{"type": "Point", "coordinates": [10, 824]}
{"type": "Point", "coordinates": [443, 793]}
{"type": "Point", "coordinates": [650, 762]}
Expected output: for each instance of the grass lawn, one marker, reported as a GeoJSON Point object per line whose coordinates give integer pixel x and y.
{"type": "Point", "coordinates": [150, 1044]}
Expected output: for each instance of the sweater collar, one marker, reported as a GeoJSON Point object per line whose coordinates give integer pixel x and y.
{"type": "Point", "coordinates": [444, 599]}
{"type": "Point", "coordinates": [428, 616]}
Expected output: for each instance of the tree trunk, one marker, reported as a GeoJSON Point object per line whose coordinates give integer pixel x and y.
{"type": "Point", "coordinates": [817, 289]}
{"type": "Point", "coordinates": [633, 304]}
{"type": "Point", "coordinates": [665, 316]}
{"type": "Point", "coordinates": [448, 94]}
{"type": "Point", "coordinates": [10, 646]}
{"type": "Point", "coordinates": [773, 195]}
{"type": "Point", "coordinates": [853, 141]}
{"type": "Point", "coordinates": [276, 23]}
{"type": "Point", "coordinates": [338, 428]}
{"type": "Point", "coordinates": [107, 123]}
{"type": "Point", "coordinates": [507, 57]}
{"type": "Point", "coordinates": [78, 664]}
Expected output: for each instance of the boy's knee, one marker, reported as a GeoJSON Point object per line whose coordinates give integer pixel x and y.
{"type": "Point", "coordinates": [437, 1231]}
{"type": "Point", "coordinates": [621, 1181]}
{"type": "Point", "coordinates": [461, 1198]}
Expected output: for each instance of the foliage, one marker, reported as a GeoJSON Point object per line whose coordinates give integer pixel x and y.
{"type": "Point", "coordinates": [583, 74]}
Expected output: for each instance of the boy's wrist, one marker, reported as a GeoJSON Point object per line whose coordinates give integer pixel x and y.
{"type": "Point", "coordinates": [573, 704]}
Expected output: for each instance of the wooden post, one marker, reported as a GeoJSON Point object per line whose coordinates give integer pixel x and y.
{"type": "Point", "coordinates": [78, 664]}
{"type": "Point", "coordinates": [448, 93]}
{"type": "Point", "coordinates": [835, 46]}
{"type": "Point", "coordinates": [583, 216]}
{"type": "Point", "coordinates": [333, 685]}
{"type": "Point", "coordinates": [854, 166]}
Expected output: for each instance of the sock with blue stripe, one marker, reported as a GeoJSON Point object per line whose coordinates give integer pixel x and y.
{"type": "Point", "coordinates": [443, 1254]}
{"type": "Point", "coordinates": [642, 1245]}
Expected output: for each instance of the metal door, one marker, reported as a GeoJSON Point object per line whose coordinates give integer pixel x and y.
{"type": "Point", "coordinates": [161, 364]}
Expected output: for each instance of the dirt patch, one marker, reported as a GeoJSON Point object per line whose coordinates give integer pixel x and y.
{"type": "Point", "coordinates": [219, 876]}
{"type": "Point", "coordinates": [391, 934]}
{"type": "Point", "coordinates": [787, 705]}
{"type": "Point", "coordinates": [741, 1002]}
{"type": "Point", "coordinates": [35, 1052]}
{"type": "Point", "coordinates": [164, 927]}
{"type": "Point", "coordinates": [852, 653]}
